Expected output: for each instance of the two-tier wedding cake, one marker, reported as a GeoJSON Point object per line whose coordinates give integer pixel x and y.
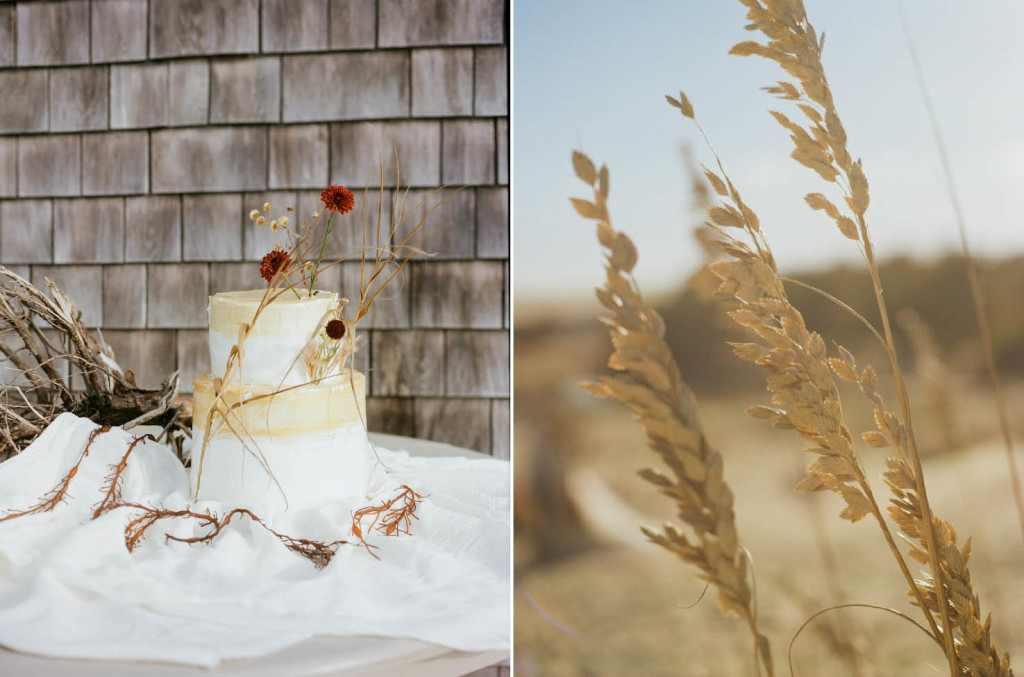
{"type": "Point", "coordinates": [279, 436]}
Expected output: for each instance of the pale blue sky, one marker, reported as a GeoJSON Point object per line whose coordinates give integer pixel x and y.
{"type": "Point", "coordinates": [592, 74]}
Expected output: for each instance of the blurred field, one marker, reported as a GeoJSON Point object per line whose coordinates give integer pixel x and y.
{"type": "Point", "coordinates": [592, 598]}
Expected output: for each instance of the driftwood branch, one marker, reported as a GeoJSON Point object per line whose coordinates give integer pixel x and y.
{"type": "Point", "coordinates": [50, 363]}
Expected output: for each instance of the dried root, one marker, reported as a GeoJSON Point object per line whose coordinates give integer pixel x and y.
{"type": "Point", "coordinates": [390, 518]}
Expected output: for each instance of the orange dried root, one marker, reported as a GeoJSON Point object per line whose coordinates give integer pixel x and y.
{"type": "Point", "coordinates": [56, 496]}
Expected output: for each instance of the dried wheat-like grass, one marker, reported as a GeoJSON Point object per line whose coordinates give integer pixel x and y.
{"type": "Point", "coordinates": [648, 382]}
{"type": "Point", "coordinates": [800, 380]}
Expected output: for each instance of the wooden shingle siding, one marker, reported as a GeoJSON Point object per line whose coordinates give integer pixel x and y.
{"type": "Point", "coordinates": [136, 135]}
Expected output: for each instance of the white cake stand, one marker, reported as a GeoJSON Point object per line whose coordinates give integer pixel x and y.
{"type": "Point", "coordinates": [347, 656]}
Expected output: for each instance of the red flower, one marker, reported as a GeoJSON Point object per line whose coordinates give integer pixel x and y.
{"type": "Point", "coordinates": [338, 199]}
{"type": "Point", "coordinates": [272, 263]}
{"type": "Point", "coordinates": [335, 330]}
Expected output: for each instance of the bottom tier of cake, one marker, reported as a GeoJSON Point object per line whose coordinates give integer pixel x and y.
{"type": "Point", "coordinates": [270, 452]}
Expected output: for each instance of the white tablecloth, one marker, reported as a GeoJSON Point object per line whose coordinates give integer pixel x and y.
{"type": "Point", "coordinates": [69, 587]}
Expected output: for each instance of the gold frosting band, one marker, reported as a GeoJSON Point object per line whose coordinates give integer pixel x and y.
{"type": "Point", "coordinates": [258, 410]}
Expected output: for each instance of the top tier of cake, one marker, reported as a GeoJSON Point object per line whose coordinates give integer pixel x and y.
{"type": "Point", "coordinates": [272, 353]}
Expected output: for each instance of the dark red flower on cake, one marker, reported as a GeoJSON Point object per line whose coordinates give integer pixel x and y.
{"type": "Point", "coordinates": [338, 199]}
{"type": "Point", "coordinates": [272, 263]}
{"type": "Point", "coordinates": [335, 329]}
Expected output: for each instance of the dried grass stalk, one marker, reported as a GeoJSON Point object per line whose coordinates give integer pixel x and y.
{"type": "Point", "coordinates": [802, 387]}
{"type": "Point", "coordinates": [648, 382]}
{"type": "Point", "coordinates": [978, 301]}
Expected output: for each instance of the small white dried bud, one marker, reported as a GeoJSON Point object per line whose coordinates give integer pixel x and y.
{"type": "Point", "coordinates": [266, 206]}
{"type": "Point", "coordinates": [316, 215]}
{"type": "Point", "coordinates": [254, 214]}
{"type": "Point", "coordinates": [260, 221]}
{"type": "Point", "coordinates": [273, 226]}
{"type": "Point", "coordinates": [283, 220]}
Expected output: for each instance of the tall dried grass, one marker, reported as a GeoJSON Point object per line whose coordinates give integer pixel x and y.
{"type": "Point", "coordinates": [801, 372]}
{"type": "Point", "coordinates": [648, 382]}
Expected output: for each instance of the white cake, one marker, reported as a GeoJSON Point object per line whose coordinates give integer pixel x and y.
{"type": "Point", "coordinates": [285, 440]}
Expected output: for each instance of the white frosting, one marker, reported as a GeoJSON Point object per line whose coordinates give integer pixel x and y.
{"type": "Point", "coordinates": [270, 360]}
{"type": "Point", "coordinates": [272, 352]}
{"type": "Point", "coordinates": [310, 469]}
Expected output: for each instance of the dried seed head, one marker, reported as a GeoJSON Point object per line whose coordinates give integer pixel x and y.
{"type": "Point", "coordinates": [254, 214]}
{"type": "Point", "coordinates": [283, 220]}
{"type": "Point", "coordinates": [274, 226]}
{"type": "Point", "coordinates": [335, 330]}
{"type": "Point", "coordinates": [260, 221]}
{"type": "Point", "coordinates": [266, 206]}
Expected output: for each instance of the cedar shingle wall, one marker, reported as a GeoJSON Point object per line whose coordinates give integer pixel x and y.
{"type": "Point", "coordinates": [135, 135]}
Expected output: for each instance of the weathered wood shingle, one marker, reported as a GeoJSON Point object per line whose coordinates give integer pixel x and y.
{"type": "Point", "coordinates": [8, 166]}
{"type": "Point", "coordinates": [463, 294]}
{"type": "Point", "coordinates": [78, 99]}
{"type": "Point", "coordinates": [442, 82]}
{"type": "Point", "coordinates": [24, 104]}
{"type": "Point", "coordinates": [477, 364]}
{"type": "Point", "coordinates": [116, 163]}
{"type": "Point", "coordinates": [294, 25]}
{"type": "Point", "coordinates": [345, 86]}
{"type": "Point", "coordinates": [245, 90]}
{"type": "Point", "coordinates": [211, 227]}
{"type": "Point", "coordinates": [51, 33]}
{"type": "Point", "coordinates": [49, 166]}
{"type": "Point", "coordinates": [189, 92]}
{"type": "Point", "coordinates": [138, 96]}
{"type": "Point", "coordinates": [353, 24]}
{"type": "Point", "coordinates": [203, 27]}
{"type": "Point", "coordinates": [152, 228]}
{"type": "Point", "coordinates": [490, 81]}
{"type": "Point", "coordinates": [440, 22]}
{"type": "Point", "coordinates": [209, 159]}
{"type": "Point", "coordinates": [358, 150]}
{"type": "Point", "coordinates": [468, 155]}
{"type": "Point", "coordinates": [118, 30]}
{"type": "Point", "coordinates": [414, 363]}
{"type": "Point", "coordinates": [88, 230]}
{"type": "Point", "coordinates": [464, 423]}
{"type": "Point", "coordinates": [299, 156]}
{"type": "Point", "coordinates": [492, 232]}
{"type": "Point", "coordinates": [177, 295]}
{"type": "Point", "coordinates": [124, 296]}
{"type": "Point", "coordinates": [26, 231]}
